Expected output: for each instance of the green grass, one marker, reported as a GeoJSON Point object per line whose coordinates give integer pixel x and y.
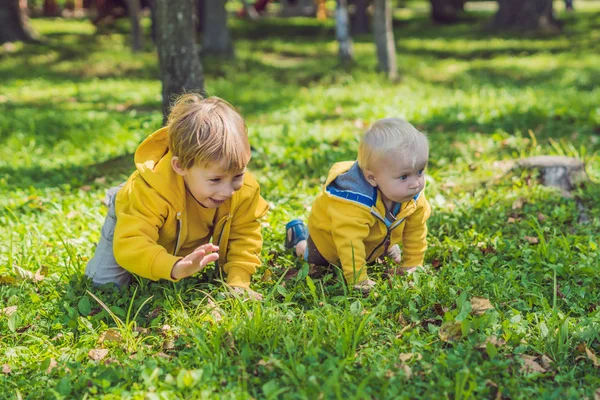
{"type": "Point", "coordinates": [73, 109]}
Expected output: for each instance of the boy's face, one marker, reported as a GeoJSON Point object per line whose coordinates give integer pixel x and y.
{"type": "Point", "coordinates": [210, 184]}
{"type": "Point", "coordinates": [397, 179]}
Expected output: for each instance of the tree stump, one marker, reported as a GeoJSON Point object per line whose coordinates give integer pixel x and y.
{"type": "Point", "coordinates": [564, 173]}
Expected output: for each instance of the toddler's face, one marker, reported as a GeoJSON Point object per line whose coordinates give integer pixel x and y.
{"type": "Point", "coordinates": [211, 184]}
{"type": "Point", "coordinates": [399, 180]}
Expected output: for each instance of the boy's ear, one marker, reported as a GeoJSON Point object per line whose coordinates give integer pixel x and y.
{"type": "Point", "coordinates": [176, 165]}
{"type": "Point", "coordinates": [370, 177]}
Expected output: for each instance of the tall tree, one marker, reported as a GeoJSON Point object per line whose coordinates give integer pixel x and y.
{"type": "Point", "coordinates": [446, 11]}
{"type": "Point", "coordinates": [133, 9]}
{"type": "Point", "coordinates": [384, 38]}
{"type": "Point", "coordinates": [360, 18]}
{"type": "Point", "coordinates": [14, 23]}
{"type": "Point", "coordinates": [50, 8]}
{"type": "Point", "coordinates": [216, 38]}
{"type": "Point", "coordinates": [180, 68]}
{"type": "Point", "coordinates": [342, 32]}
{"type": "Point", "coordinates": [525, 15]}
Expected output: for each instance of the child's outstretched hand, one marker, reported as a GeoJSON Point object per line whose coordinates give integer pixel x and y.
{"type": "Point", "coordinates": [365, 286]}
{"type": "Point", "coordinates": [195, 261]}
{"type": "Point", "coordinates": [395, 254]}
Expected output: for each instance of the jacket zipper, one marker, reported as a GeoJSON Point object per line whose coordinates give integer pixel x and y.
{"type": "Point", "coordinates": [388, 234]}
{"type": "Point", "coordinates": [221, 238]}
{"type": "Point", "coordinates": [178, 234]}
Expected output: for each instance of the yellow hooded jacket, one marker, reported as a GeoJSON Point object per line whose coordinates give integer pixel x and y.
{"type": "Point", "coordinates": [347, 223]}
{"type": "Point", "coordinates": [152, 224]}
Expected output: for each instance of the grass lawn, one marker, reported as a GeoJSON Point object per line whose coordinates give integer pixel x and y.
{"type": "Point", "coordinates": [73, 110]}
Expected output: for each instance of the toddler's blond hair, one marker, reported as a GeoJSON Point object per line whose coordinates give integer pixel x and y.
{"type": "Point", "coordinates": [392, 135]}
{"type": "Point", "coordinates": [202, 131]}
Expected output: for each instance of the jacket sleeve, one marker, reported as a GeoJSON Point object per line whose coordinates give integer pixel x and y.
{"type": "Point", "coordinates": [141, 212]}
{"type": "Point", "coordinates": [350, 228]}
{"type": "Point", "coordinates": [414, 237]}
{"type": "Point", "coordinates": [245, 241]}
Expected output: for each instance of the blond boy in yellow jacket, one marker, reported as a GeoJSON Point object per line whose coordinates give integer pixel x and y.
{"type": "Point", "coordinates": [190, 202]}
{"type": "Point", "coordinates": [369, 207]}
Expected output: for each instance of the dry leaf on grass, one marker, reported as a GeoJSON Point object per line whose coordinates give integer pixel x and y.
{"type": "Point", "coordinates": [450, 331]}
{"type": "Point", "coordinates": [404, 357]}
{"type": "Point", "coordinates": [8, 311]}
{"type": "Point", "coordinates": [53, 364]}
{"type": "Point", "coordinates": [97, 354]}
{"type": "Point", "coordinates": [267, 276]}
{"type": "Point", "coordinates": [407, 371]}
{"type": "Point", "coordinates": [597, 394]}
{"type": "Point", "coordinates": [110, 335]}
{"type": "Point", "coordinates": [480, 305]}
{"type": "Point", "coordinates": [546, 362]}
{"type": "Point", "coordinates": [590, 354]}
{"type": "Point", "coordinates": [532, 239]}
{"type": "Point", "coordinates": [25, 275]}
{"type": "Point", "coordinates": [518, 203]}
{"type": "Point", "coordinates": [6, 369]}
{"type": "Point", "coordinates": [530, 365]}
{"type": "Point", "coordinates": [493, 340]}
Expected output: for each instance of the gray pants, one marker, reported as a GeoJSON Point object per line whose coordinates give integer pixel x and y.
{"type": "Point", "coordinates": [103, 267]}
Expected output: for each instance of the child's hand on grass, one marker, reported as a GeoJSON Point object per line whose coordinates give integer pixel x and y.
{"type": "Point", "coordinates": [365, 286]}
{"type": "Point", "coordinates": [195, 261]}
{"type": "Point", "coordinates": [395, 254]}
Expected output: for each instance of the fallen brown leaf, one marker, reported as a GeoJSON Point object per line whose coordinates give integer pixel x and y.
{"type": "Point", "coordinates": [8, 311]}
{"type": "Point", "coordinates": [518, 203]}
{"type": "Point", "coordinates": [110, 335]}
{"type": "Point", "coordinates": [541, 217]}
{"type": "Point", "coordinates": [597, 394]}
{"type": "Point", "coordinates": [510, 220]}
{"type": "Point", "coordinates": [407, 371]}
{"type": "Point", "coordinates": [6, 369]}
{"type": "Point", "coordinates": [266, 276]}
{"type": "Point", "coordinates": [450, 331]}
{"type": "Point", "coordinates": [493, 340]}
{"type": "Point", "coordinates": [590, 354]}
{"type": "Point", "coordinates": [53, 364]}
{"type": "Point", "coordinates": [439, 309]}
{"type": "Point", "coordinates": [530, 365]}
{"type": "Point", "coordinates": [480, 305]}
{"type": "Point", "coordinates": [546, 361]}
{"type": "Point", "coordinates": [532, 239]}
{"type": "Point", "coordinates": [97, 354]}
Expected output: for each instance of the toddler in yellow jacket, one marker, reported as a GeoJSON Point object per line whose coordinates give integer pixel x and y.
{"type": "Point", "coordinates": [190, 202]}
{"type": "Point", "coordinates": [369, 207]}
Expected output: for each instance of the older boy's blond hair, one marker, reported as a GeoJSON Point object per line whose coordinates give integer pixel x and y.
{"type": "Point", "coordinates": [208, 130]}
{"type": "Point", "coordinates": [392, 135]}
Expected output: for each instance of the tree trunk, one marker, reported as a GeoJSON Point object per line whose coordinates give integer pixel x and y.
{"type": "Point", "coordinates": [384, 38]}
{"type": "Point", "coordinates": [50, 8]}
{"type": "Point", "coordinates": [133, 9]}
{"type": "Point", "coordinates": [298, 8]}
{"type": "Point", "coordinates": [180, 68]}
{"type": "Point", "coordinates": [360, 19]}
{"type": "Point", "coordinates": [216, 38]}
{"type": "Point", "coordinates": [342, 32]}
{"type": "Point", "coordinates": [14, 23]}
{"type": "Point", "coordinates": [526, 15]}
{"type": "Point", "coordinates": [446, 11]}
